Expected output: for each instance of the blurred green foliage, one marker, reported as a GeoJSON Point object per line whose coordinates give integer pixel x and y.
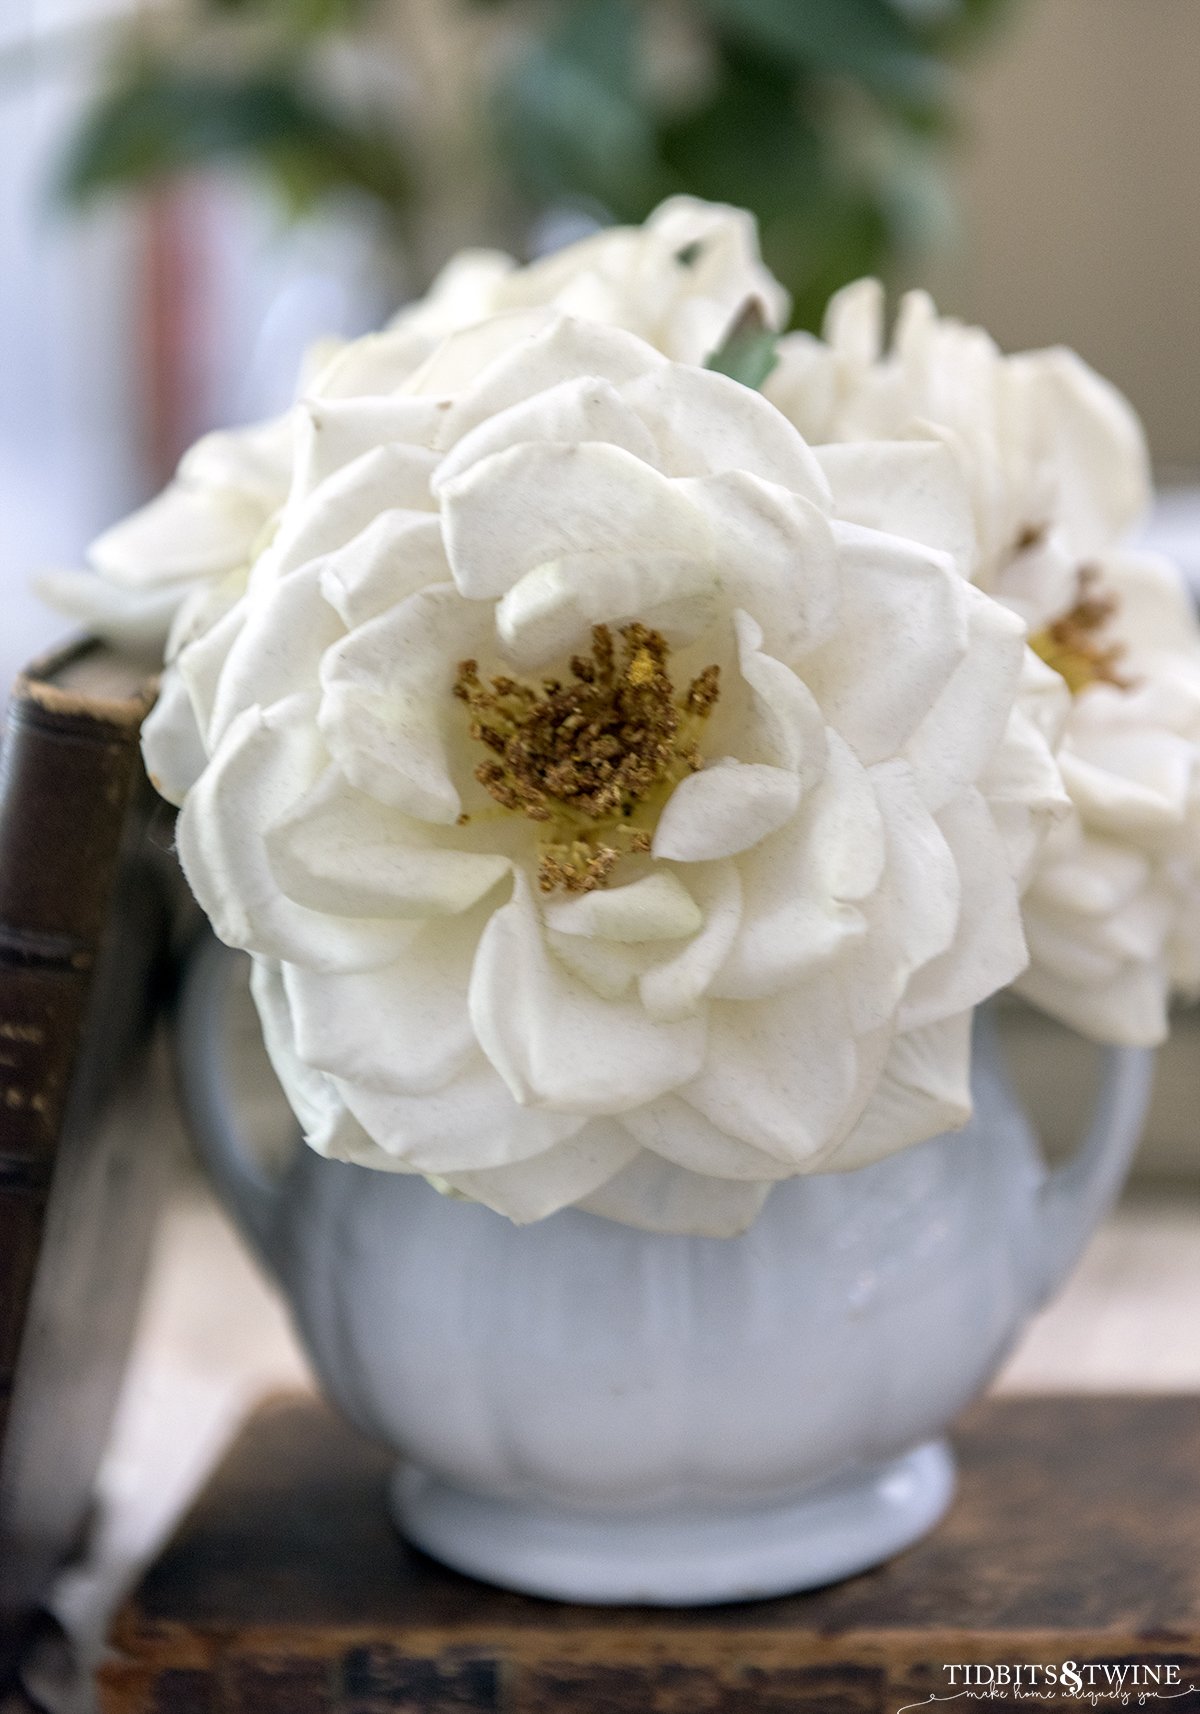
{"type": "Point", "coordinates": [160, 119]}
{"type": "Point", "coordinates": [829, 118]}
{"type": "Point", "coordinates": [236, 81]}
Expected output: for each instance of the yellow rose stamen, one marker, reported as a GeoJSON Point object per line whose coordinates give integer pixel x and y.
{"type": "Point", "coordinates": [1073, 645]}
{"type": "Point", "coordinates": [589, 758]}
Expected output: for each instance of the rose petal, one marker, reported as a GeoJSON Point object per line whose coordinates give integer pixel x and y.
{"type": "Point", "coordinates": [910, 488]}
{"type": "Point", "coordinates": [172, 746]}
{"type": "Point", "coordinates": [403, 1029]}
{"type": "Point", "coordinates": [1022, 776]}
{"type": "Point", "coordinates": [804, 385]}
{"type": "Point", "coordinates": [469, 287]}
{"type": "Point", "coordinates": [925, 1090]}
{"type": "Point", "coordinates": [1079, 426]}
{"type": "Point", "coordinates": [397, 555]}
{"type": "Point", "coordinates": [204, 606]}
{"type": "Point", "coordinates": [675, 987]}
{"type": "Point", "coordinates": [1040, 583]}
{"type": "Point", "coordinates": [520, 355]}
{"type": "Point", "coordinates": [555, 1043]}
{"type": "Point", "coordinates": [1134, 785]}
{"type": "Point", "coordinates": [386, 479]}
{"type": "Point", "coordinates": [776, 555]}
{"type": "Point", "coordinates": [470, 1124]}
{"type": "Point", "coordinates": [1022, 780]}
{"type": "Point", "coordinates": [552, 609]}
{"type": "Point", "coordinates": [572, 413]}
{"type": "Point", "coordinates": [913, 914]}
{"type": "Point", "coordinates": [658, 1197]}
{"type": "Point", "coordinates": [724, 260]}
{"type": "Point", "coordinates": [340, 851]}
{"type": "Point", "coordinates": [1156, 606]}
{"type": "Point", "coordinates": [375, 364]}
{"type": "Point", "coordinates": [988, 950]}
{"type": "Point", "coordinates": [1127, 1008]}
{"type": "Point", "coordinates": [277, 649]}
{"type": "Point", "coordinates": [1092, 949]}
{"type": "Point", "coordinates": [609, 967]}
{"type": "Point", "coordinates": [905, 609]}
{"type": "Point", "coordinates": [184, 533]}
{"type": "Point", "coordinates": [656, 907]}
{"type": "Point", "coordinates": [268, 759]}
{"type": "Point", "coordinates": [706, 424]}
{"type": "Point", "coordinates": [724, 809]}
{"type": "Point", "coordinates": [327, 1125]}
{"type": "Point", "coordinates": [134, 620]}
{"type": "Point", "coordinates": [386, 701]}
{"type": "Point", "coordinates": [854, 321]}
{"type": "Point", "coordinates": [538, 503]}
{"type": "Point", "coordinates": [255, 461]}
{"type": "Point", "coordinates": [785, 728]}
{"type": "Point", "coordinates": [1089, 876]}
{"type": "Point", "coordinates": [778, 1073]}
{"type": "Point", "coordinates": [678, 1133]}
{"type": "Point", "coordinates": [334, 433]}
{"type": "Point", "coordinates": [569, 1173]}
{"type": "Point", "coordinates": [802, 885]}
{"type": "Point", "coordinates": [201, 663]}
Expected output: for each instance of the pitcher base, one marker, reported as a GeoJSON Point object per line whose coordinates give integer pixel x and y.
{"type": "Point", "coordinates": [686, 1557]}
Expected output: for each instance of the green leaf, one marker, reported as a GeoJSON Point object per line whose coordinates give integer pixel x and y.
{"type": "Point", "coordinates": [867, 40]}
{"type": "Point", "coordinates": [748, 351]}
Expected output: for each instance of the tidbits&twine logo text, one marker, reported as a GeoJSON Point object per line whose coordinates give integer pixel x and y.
{"type": "Point", "coordinates": [1119, 1684]}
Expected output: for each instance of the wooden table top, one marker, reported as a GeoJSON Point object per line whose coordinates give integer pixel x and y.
{"type": "Point", "coordinates": [1075, 1536]}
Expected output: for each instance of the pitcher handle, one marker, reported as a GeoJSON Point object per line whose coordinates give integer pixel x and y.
{"type": "Point", "coordinates": [1078, 1194]}
{"type": "Point", "coordinates": [248, 1191]}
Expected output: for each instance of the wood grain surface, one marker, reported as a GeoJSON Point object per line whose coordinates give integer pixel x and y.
{"type": "Point", "coordinates": [1075, 1537]}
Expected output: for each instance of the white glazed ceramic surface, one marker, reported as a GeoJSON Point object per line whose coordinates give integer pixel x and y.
{"type": "Point", "coordinates": [589, 1411]}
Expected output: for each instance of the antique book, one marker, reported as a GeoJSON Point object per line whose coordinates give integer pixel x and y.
{"type": "Point", "coordinates": [85, 925]}
{"type": "Point", "coordinates": [1073, 1548]}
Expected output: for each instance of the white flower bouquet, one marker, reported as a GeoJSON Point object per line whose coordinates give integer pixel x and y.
{"type": "Point", "coordinates": [628, 768]}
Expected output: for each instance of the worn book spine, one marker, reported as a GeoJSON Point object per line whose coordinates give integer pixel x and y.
{"type": "Point", "coordinates": [68, 769]}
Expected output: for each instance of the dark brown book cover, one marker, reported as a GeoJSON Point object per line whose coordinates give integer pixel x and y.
{"type": "Point", "coordinates": [85, 922]}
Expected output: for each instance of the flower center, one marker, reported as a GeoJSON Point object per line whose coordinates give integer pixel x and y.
{"type": "Point", "coordinates": [593, 758]}
{"type": "Point", "coordinates": [1074, 646]}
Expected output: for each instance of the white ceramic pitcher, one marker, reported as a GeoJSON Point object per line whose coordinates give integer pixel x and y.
{"type": "Point", "coordinates": [591, 1412]}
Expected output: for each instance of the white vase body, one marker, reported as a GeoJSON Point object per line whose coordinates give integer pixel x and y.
{"type": "Point", "coordinates": [589, 1411]}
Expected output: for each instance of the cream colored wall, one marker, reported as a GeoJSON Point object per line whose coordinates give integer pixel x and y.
{"type": "Point", "coordinates": [1081, 196]}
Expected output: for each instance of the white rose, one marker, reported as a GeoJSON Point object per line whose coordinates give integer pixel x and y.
{"type": "Point", "coordinates": [709, 909]}
{"type": "Point", "coordinates": [1057, 470]}
{"type": "Point", "coordinates": [1054, 458]}
{"type": "Point", "coordinates": [200, 531]}
{"type": "Point", "coordinates": [678, 281]}
{"type": "Point", "coordinates": [1113, 913]}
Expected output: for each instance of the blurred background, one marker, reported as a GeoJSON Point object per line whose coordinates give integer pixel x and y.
{"type": "Point", "coordinates": [192, 190]}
